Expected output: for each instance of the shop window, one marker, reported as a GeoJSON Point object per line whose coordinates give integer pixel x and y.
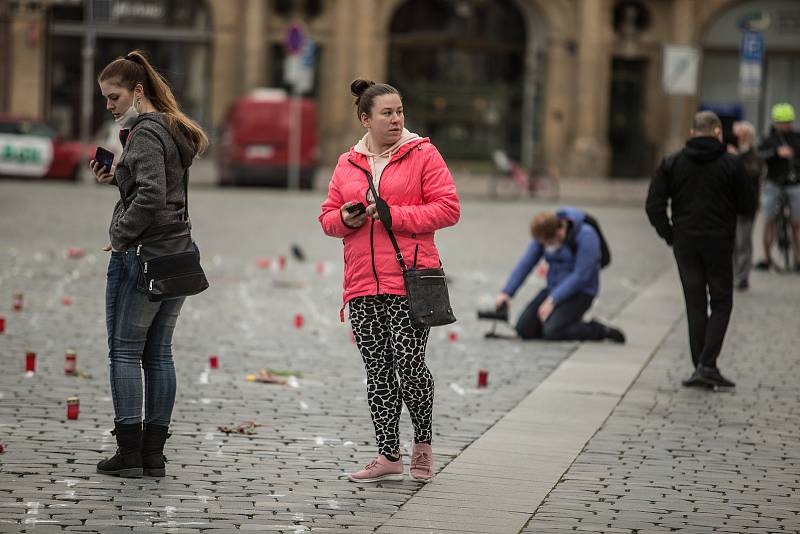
{"type": "Point", "coordinates": [175, 34]}
{"type": "Point", "coordinates": [460, 66]}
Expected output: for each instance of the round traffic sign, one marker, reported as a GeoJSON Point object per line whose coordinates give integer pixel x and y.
{"type": "Point", "coordinates": [294, 39]}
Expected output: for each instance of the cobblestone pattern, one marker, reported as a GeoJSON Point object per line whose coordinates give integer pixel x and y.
{"type": "Point", "coordinates": [286, 477]}
{"type": "Point", "coordinates": [671, 459]}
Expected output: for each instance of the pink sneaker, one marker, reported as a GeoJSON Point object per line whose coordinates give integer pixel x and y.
{"type": "Point", "coordinates": [381, 468]}
{"type": "Point", "coordinates": [421, 462]}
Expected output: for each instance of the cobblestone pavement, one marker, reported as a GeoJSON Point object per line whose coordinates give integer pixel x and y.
{"type": "Point", "coordinates": [286, 477]}
{"type": "Point", "coordinates": [671, 459]}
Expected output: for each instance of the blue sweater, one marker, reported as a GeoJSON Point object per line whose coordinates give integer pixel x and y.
{"type": "Point", "coordinates": [569, 273]}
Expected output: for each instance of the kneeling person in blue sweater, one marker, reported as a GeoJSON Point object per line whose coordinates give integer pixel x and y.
{"type": "Point", "coordinates": [572, 248]}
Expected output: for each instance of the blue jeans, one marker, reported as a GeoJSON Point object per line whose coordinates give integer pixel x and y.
{"type": "Point", "coordinates": [139, 337]}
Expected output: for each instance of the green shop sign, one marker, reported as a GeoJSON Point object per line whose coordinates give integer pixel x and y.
{"type": "Point", "coordinates": [21, 154]}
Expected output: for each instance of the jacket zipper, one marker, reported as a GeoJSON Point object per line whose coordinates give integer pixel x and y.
{"type": "Point", "coordinates": [372, 225]}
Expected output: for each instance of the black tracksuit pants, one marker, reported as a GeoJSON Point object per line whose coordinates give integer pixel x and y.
{"type": "Point", "coordinates": [706, 270]}
{"type": "Point", "coordinates": [565, 322]}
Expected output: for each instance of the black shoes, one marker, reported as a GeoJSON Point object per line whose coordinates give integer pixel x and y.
{"type": "Point", "coordinates": [708, 377]}
{"type": "Point", "coordinates": [127, 462]}
{"type": "Point", "coordinates": [153, 457]}
{"type": "Point", "coordinates": [694, 381]}
{"type": "Point", "coordinates": [744, 285]}
{"type": "Point", "coordinates": [615, 334]}
{"type": "Point", "coordinates": [762, 265]}
{"type": "Point", "coordinates": [712, 377]}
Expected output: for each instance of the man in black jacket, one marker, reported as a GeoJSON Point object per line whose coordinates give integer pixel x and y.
{"type": "Point", "coordinates": [706, 188]}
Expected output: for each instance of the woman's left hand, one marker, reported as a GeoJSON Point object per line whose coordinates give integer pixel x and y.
{"type": "Point", "coordinates": [372, 211]}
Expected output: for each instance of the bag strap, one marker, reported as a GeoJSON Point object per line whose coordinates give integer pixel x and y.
{"type": "Point", "coordinates": [164, 148]}
{"type": "Point", "coordinates": [385, 214]}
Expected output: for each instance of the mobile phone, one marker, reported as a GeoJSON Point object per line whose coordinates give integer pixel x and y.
{"type": "Point", "coordinates": [104, 157]}
{"type": "Point", "coordinates": [356, 209]}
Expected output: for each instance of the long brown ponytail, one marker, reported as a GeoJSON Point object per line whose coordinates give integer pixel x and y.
{"type": "Point", "coordinates": [135, 69]}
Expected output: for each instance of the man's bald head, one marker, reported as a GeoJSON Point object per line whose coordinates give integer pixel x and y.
{"type": "Point", "coordinates": [706, 124]}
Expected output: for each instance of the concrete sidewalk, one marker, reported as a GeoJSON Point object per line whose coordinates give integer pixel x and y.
{"type": "Point", "coordinates": [499, 481]}
{"type": "Point", "coordinates": [672, 459]}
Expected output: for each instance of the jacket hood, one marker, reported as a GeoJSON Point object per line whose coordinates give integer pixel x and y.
{"type": "Point", "coordinates": [703, 149]}
{"type": "Point", "coordinates": [186, 148]}
{"type": "Point", "coordinates": [576, 215]}
{"type": "Point", "coordinates": [405, 137]}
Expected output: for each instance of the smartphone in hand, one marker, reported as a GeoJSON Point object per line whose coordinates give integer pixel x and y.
{"type": "Point", "coordinates": [104, 157]}
{"type": "Point", "coordinates": [356, 209]}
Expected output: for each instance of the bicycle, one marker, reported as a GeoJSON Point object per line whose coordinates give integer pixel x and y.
{"type": "Point", "coordinates": [529, 183]}
{"type": "Point", "coordinates": [783, 228]}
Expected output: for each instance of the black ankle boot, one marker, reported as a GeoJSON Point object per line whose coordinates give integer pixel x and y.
{"type": "Point", "coordinates": [153, 457]}
{"type": "Point", "coordinates": [127, 462]}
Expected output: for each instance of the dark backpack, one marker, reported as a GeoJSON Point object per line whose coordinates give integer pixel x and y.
{"type": "Point", "coordinates": [605, 252]}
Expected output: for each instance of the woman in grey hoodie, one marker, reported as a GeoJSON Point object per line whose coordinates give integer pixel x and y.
{"type": "Point", "coordinates": [160, 143]}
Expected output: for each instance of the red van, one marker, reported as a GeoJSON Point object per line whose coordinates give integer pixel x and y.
{"type": "Point", "coordinates": [255, 140]}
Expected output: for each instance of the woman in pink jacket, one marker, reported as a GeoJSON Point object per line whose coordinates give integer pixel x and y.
{"type": "Point", "coordinates": [411, 176]}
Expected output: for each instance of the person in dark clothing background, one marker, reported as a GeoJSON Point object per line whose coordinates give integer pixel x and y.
{"type": "Point", "coordinates": [754, 167]}
{"type": "Point", "coordinates": [705, 188]}
{"type": "Point", "coordinates": [781, 151]}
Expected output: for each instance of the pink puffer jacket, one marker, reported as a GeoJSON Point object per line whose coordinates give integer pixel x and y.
{"type": "Point", "coordinates": [420, 191]}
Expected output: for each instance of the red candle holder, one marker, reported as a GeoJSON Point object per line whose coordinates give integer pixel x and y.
{"type": "Point", "coordinates": [483, 378]}
{"type": "Point", "coordinates": [30, 362]}
{"type": "Point", "coordinates": [213, 362]}
{"type": "Point", "coordinates": [73, 407]}
{"type": "Point", "coordinates": [2, 324]}
{"type": "Point", "coordinates": [70, 363]}
{"type": "Point", "coordinates": [16, 305]}
{"type": "Point", "coordinates": [453, 337]}
{"type": "Point", "coordinates": [282, 262]}
{"type": "Point", "coordinates": [299, 321]}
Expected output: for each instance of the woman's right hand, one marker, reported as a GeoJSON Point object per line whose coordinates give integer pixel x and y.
{"type": "Point", "coordinates": [350, 219]}
{"type": "Point", "coordinates": [102, 175]}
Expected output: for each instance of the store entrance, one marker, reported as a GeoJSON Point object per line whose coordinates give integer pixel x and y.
{"type": "Point", "coordinates": [629, 148]}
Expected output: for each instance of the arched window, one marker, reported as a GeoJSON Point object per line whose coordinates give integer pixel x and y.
{"type": "Point", "coordinates": [460, 65]}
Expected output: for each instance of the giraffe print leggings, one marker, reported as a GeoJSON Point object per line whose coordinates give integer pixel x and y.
{"type": "Point", "coordinates": [391, 347]}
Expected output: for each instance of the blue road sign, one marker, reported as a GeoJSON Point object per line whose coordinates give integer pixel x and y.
{"type": "Point", "coordinates": [752, 48]}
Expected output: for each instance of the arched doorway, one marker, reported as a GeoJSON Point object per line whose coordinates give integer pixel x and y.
{"type": "Point", "coordinates": [778, 21]}
{"type": "Point", "coordinates": [176, 34]}
{"type": "Point", "coordinates": [463, 68]}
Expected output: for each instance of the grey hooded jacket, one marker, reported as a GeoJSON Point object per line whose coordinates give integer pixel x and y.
{"type": "Point", "coordinates": [149, 175]}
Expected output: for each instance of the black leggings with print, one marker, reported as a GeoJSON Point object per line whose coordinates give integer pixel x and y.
{"type": "Point", "coordinates": [391, 347]}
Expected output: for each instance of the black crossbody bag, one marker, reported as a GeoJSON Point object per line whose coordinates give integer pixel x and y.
{"type": "Point", "coordinates": [426, 289]}
{"type": "Point", "coordinates": [168, 257]}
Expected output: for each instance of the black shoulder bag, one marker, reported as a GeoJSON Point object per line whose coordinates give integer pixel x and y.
{"type": "Point", "coordinates": [426, 289]}
{"type": "Point", "coordinates": [169, 259]}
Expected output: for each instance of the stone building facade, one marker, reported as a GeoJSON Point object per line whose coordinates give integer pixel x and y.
{"type": "Point", "coordinates": [571, 86]}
